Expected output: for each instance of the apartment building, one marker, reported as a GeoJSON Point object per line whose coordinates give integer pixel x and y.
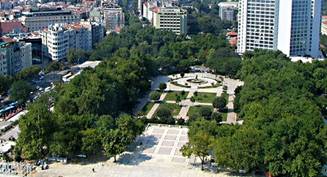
{"type": "Point", "coordinates": [291, 26]}
{"type": "Point", "coordinates": [14, 56]}
{"type": "Point", "coordinates": [227, 10]}
{"type": "Point", "coordinates": [57, 39]}
{"type": "Point", "coordinates": [170, 18]}
{"type": "Point", "coordinates": [114, 18]}
{"type": "Point", "coordinates": [38, 20]}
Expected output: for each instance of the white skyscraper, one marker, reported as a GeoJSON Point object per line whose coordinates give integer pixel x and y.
{"type": "Point", "coordinates": [291, 26]}
{"type": "Point", "coordinates": [258, 25]}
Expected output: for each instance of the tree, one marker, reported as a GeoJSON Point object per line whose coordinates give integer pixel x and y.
{"type": "Point", "coordinates": [5, 83]}
{"type": "Point", "coordinates": [164, 114]}
{"type": "Point", "coordinates": [76, 56]}
{"type": "Point", "coordinates": [155, 96]}
{"type": "Point", "coordinates": [54, 66]}
{"type": "Point", "coordinates": [20, 91]}
{"type": "Point", "coordinates": [219, 103]}
{"type": "Point", "coordinates": [178, 99]}
{"type": "Point", "coordinates": [91, 141]}
{"type": "Point", "coordinates": [205, 112]}
{"type": "Point", "coordinates": [114, 143]}
{"type": "Point", "coordinates": [28, 73]}
{"type": "Point", "coordinates": [162, 86]}
{"type": "Point", "coordinates": [216, 116]}
{"type": "Point", "coordinates": [241, 151]}
{"type": "Point", "coordinates": [36, 128]}
{"type": "Point", "coordinates": [116, 140]}
{"type": "Point", "coordinates": [198, 145]}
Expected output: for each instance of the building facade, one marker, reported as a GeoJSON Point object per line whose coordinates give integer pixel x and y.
{"type": "Point", "coordinates": [170, 18]}
{"type": "Point", "coordinates": [227, 10]}
{"type": "Point", "coordinates": [258, 25]}
{"type": "Point", "coordinates": [299, 26]}
{"type": "Point", "coordinates": [59, 38]}
{"type": "Point", "coordinates": [324, 25]}
{"type": "Point", "coordinates": [14, 56]}
{"type": "Point", "coordinates": [114, 18]}
{"type": "Point", "coordinates": [324, 28]}
{"type": "Point", "coordinates": [39, 20]}
{"type": "Point", "coordinates": [291, 26]}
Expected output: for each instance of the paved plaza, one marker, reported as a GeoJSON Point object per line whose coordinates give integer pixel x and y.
{"type": "Point", "coordinates": [156, 155]}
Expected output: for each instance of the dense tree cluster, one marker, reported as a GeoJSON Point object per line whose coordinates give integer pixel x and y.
{"type": "Point", "coordinates": [44, 133]}
{"type": "Point", "coordinates": [283, 105]}
{"type": "Point", "coordinates": [88, 113]}
{"type": "Point", "coordinates": [161, 50]}
{"type": "Point", "coordinates": [113, 87]}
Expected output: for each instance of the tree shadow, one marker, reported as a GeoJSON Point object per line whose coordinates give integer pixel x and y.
{"type": "Point", "coordinates": [133, 158]}
{"type": "Point", "coordinates": [136, 154]}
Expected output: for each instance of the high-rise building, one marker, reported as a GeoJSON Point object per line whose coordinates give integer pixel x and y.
{"type": "Point", "coordinates": [291, 26]}
{"type": "Point", "coordinates": [299, 27]}
{"type": "Point", "coordinates": [170, 18]}
{"type": "Point", "coordinates": [227, 10]}
{"type": "Point", "coordinates": [38, 20]}
{"type": "Point", "coordinates": [14, 56]}
{"type": "Point", "coordinates": [257, 25]}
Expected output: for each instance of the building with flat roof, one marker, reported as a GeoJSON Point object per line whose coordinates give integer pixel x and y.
{"type": "Point", "coordinates": [170, 18]}
{"type": "Point", "coordinates": [14, 56]}
{"type": "Point", "coordinates": [58, 39]}
{"type": "Point", "coordinates": [38, 20]}
{"type": "Point", "coordinates": [290, 26]}
{"type": "Point", "coordinates": [227, 10]}
{"type": "Point", "coordinates": [114, 18]}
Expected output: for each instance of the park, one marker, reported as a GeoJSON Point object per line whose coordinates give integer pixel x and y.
{"type": "Point", "coordinates": [187, 94]}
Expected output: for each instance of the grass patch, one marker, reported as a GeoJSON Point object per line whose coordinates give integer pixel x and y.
{"type": "Point", "coordinates": [171, 96]}
{"type": "Point", "coordinates": [194, 111]}
{"type": "Point", "coordinates": [174, 108]}
{"type": "Point", "coordinates": [145, 110]}
{"type": "Point", "coordinates": [224, 114]}
{"type": "Point", "coordinates": [205, 97]}
{"type": "Point", "coordinates": [225, 95]}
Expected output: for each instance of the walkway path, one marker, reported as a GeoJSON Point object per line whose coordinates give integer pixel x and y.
{"type": "Point", "coordinates": [155, 106]}
{"type": "Point", "coordinates": [231, 115]}
{"type": "Point", "coordinates": [186, 104]}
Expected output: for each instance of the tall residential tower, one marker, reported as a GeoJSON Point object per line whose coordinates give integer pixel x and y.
{"type": "Point", "coordinates": [291, 26]}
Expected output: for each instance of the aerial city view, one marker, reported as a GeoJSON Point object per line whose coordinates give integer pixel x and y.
{"type": "Point", "coordinates": [163, 88]}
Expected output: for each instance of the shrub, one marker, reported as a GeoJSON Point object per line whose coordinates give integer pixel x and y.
{"type": "Point", "coordinates": [219, 103]}
{"type": "Point", "coordinates": [155, 96]}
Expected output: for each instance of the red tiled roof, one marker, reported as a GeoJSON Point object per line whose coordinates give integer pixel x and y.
{"type": "Point", "coordinates": [233, 41]}
{"type": "Point", "coordinates": [9, 26]}
{"type": "Point", "coordinates": [325, 22]}
{"type": "Point", "coordinates": [156, 9]}
{"type": "Point", "coordinates": [6, 39]}
{"type": "Point", "coordinates": [232, 33]}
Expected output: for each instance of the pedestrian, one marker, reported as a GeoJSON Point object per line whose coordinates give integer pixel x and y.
{"type": "Point", "coordinates": [93, 170]}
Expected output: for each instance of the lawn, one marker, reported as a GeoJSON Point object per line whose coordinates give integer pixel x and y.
{"type": "Point", "coordinates": [224, 114]}
{"type": "Point", "coordinates": [173, 107]}
{"type": "Point", "coordinates": [171, 96]}
{"type": "Point", "coordinates": [195, 110]}
{"type": "Point", "coordinates": [146, 108]}
{"type": "Point", "coordinates": [205, 97]}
